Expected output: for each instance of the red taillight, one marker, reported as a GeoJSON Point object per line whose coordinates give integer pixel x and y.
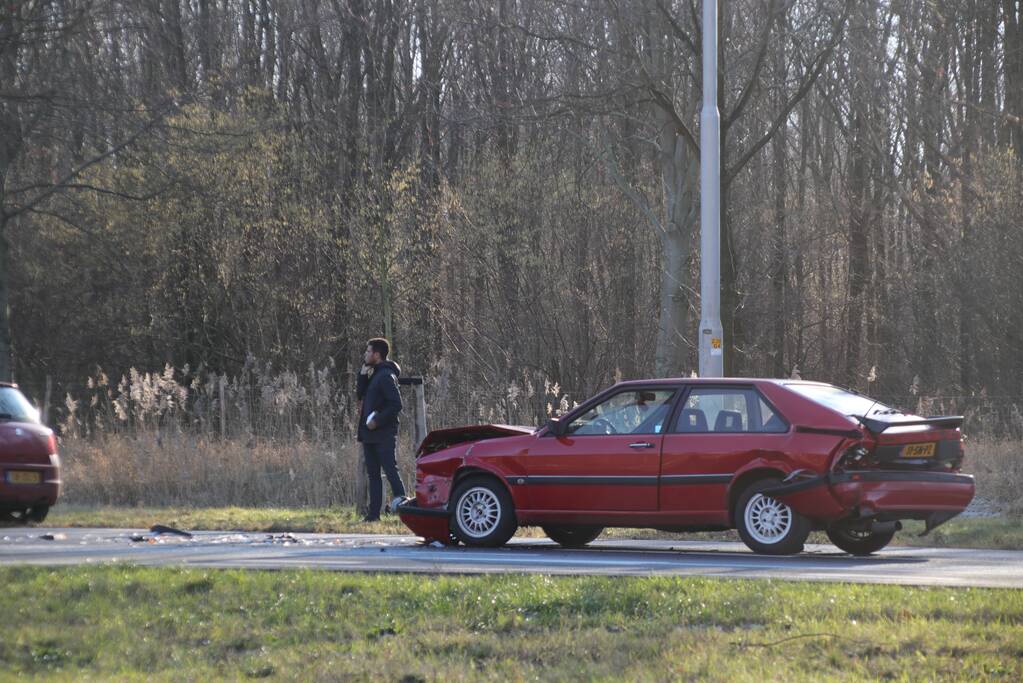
{"type": "Point", "coordinates": [51, 443]}
{"type": "Point", "coordinates": [854, 457]}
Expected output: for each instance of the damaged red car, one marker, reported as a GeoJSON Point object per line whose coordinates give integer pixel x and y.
{"type": "Point", "coordinates": [774, 459]}
{"type": "Point", "coordinates": [29, 464]}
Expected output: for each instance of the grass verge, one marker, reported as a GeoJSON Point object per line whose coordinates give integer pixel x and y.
{"type": "Point", "coordinates": [997, 533]}
{"type": "Point", "coordinates": [119, 623]}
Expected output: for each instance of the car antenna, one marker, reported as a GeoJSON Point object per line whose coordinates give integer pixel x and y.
{"type": "Point", "coordinates": [872, 425]}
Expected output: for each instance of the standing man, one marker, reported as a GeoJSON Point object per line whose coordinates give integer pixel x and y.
{"type": "Point", "coordinates": [377, 387]}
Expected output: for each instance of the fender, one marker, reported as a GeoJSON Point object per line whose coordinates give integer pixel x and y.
{"type": "Point", "coordinates": [491, 457]}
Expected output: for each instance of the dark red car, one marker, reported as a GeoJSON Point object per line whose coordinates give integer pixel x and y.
{"type": "Point", "coordinates": [775, 459]}
{"type": "Point", "coordinates": [29, 464]}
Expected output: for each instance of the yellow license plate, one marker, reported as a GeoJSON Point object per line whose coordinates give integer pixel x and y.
{"type": "Point", "coordinates": [17, 477]}
{"type": "Point", "coordinates": [918, 450]}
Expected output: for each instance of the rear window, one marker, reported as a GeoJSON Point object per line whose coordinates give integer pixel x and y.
{"type": "Point", "coordinates": [14, 406]}
{"type": "Point", "coordinates": [842, 400]}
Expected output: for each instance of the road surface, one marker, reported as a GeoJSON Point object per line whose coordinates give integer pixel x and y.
{"type": "Point", "coordinates": [388, 553]}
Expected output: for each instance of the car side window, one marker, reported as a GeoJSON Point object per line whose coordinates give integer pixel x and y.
{"type": "Point", "coordinates": [627, 412]}
{"type": "Point", "coordinates": [770, 420]}
{"type": "Point", "coordinates": [727, 410]}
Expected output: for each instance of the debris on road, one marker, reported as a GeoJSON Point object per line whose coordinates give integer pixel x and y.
{"type": "Point", "coordinates": [286, 539]}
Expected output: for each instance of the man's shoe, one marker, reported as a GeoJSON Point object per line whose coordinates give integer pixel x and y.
{"type": "Point", "coordinates": [367, 518]}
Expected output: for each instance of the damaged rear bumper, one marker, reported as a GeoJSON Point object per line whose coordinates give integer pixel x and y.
{"type": "Point", "coordinates": [882, 495]}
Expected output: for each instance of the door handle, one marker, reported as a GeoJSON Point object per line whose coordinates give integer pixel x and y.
{"type": "Point", "coordinates": [641, 444]}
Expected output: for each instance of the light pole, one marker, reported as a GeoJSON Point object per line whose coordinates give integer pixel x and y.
{"type": "Point", "coordinates": [712, 347]}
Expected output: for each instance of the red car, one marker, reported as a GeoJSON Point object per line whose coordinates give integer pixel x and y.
{"type": "Point", "coordinates": [775, 459]}
{"type": "Point", "coordinates": [29, 464]}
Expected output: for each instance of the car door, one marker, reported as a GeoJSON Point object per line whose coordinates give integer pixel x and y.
{"type": "Point", "coordinates": [717, 431]}
{"type": "Point", "coordinates": [608, 459]}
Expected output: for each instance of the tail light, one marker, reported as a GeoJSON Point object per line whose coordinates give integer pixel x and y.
{"type": "Point", "coordinates": [855, 457]}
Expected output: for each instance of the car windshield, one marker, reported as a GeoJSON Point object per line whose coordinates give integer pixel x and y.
{"type": "Point", "coordinates": [14, 406]}
{"type": "Point", "coordinates": [842, 400]}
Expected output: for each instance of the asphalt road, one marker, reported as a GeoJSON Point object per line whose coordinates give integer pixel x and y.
{"type": "Point", "coordinates": [384, 553]}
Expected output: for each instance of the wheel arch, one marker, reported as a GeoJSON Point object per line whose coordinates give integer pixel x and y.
{"type": "Point", "coordinates": [463, 473]}
{"type": "Point", "coordinates": [748, 477]}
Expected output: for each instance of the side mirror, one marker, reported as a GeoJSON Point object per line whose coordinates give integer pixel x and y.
{"type": "Point", "coordinates": [556, 427]}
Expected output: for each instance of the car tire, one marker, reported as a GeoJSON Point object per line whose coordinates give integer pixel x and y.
{"type": "Point", "coordinates": [482, 513]}
{"type": "Point", "coordinates": [859, 542]}
{"type": "Point", "coordinates": [37, 513]}
{"type": "Point", "coordinates": [768, 526]}
{"type": "Point", "coordinates": [14, 517]}
{"type": "Point", "coordinates": [572, 536]}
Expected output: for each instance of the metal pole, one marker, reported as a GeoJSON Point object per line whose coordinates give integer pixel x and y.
{"type": "Point", "coordinates": [711, 335]}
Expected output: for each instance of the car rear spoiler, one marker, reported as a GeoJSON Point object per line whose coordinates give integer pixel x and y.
{"type": "Point", "coordinates": [878, 426]}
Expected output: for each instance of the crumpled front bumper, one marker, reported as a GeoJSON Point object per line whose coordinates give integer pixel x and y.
{"type": "Point", "coordinates": [430, 523]}
{"type": "Point", "coordinates": [884, 495]}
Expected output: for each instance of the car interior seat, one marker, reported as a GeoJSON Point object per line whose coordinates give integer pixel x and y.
{"type": "Point", "coordinates": [692, 420]}
{"type": "Point", "coordinates": [728, 421]}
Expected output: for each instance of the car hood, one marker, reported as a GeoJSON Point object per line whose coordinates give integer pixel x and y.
{"type": "Point", "coordinates": [440, 439]}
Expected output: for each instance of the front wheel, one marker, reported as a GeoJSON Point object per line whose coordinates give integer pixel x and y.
{"type": "Point", "coordinates": [769, 526]}
{"type": "Point", "coordinates": [572, 536]}
{"type": "Point", "coordinates": [483, 513]}
{"type": "Point", "coordinates": [859, 541]}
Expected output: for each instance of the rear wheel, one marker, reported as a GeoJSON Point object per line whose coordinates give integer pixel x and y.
{"type": "Point", "coordinates": [859, 541]}
{"type": "Point", "coordinates": [15, 517]}
{"type": "Point", "coordinates": [769, 526]}
{"type": "Point", "coordinates": [572, 536]}
{"type": "Point", "coordinates": [37, 513]}
{"type": "Point", "coordinates": [483, 513]}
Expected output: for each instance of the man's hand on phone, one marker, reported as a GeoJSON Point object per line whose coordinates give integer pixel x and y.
{"type": "Point", "coordinates": [371, 425]}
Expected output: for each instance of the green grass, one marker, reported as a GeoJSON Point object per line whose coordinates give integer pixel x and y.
{"type": "Point", "coordinates": [124, 623]}
{"type": "Point", "coordinates": [1003, 533]}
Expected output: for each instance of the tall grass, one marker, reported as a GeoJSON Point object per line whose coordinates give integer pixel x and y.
{"type": "Point", "coordinates": [263, 438]}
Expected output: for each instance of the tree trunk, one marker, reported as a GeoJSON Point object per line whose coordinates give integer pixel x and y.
{"type": "Point", "coordinates": [857, 255]}
{"type": "Point", "coordinates": [1013, 53]}
{"type": "Point", "coordinates": [680, 170]}
{"type": "Point", "coordinates": [6, 357]}
{"type": "Point", "coordinates": [778, 266]}
{"type": "Point", "coordinates": [731, 298]}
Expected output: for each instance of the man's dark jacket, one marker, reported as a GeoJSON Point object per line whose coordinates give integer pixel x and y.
{"type": "Point", "coordinates": [380, 395]}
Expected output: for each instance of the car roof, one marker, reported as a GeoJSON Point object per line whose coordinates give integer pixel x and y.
{"type": "Point", "coordinates": [715, 380]}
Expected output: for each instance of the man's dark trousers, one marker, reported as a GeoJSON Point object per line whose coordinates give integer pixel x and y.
{"type": "Point", "coordinates": [377, 456]}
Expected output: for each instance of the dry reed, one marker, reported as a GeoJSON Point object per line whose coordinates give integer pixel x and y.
{"type": "Point", "coordinates": [184, 438]}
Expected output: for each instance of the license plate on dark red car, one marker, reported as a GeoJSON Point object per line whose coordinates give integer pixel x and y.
{"type": "Point", "coordinates": [23, 477]}
{"type": "Point", "coordinates": [918, 450]}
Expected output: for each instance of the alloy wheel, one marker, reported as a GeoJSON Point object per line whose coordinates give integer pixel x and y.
{"type": "Point", "coordinates": [767, 520]}
{"type": "Point", "coordinates": [478, 512]}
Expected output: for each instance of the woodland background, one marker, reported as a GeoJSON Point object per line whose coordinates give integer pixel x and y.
{"type": "Point", "coordinates": [231, 196]}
